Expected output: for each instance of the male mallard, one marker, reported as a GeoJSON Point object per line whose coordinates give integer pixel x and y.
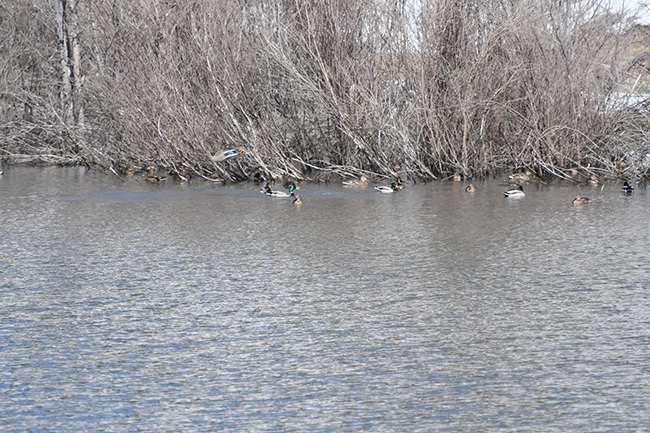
{"type": "Point", "coordinates": [578, 200]}
{"type": "Point", "coordinates": [627, 188]}
{"type": "Point", "coordinates": [387, 189]}
{"type": "Point", "coordinates": [399, 183]}
{"type": "Point", "coordinates": [470, 188]}
{"type": "Point", "coordinates": [290, 186]}
{"type": "Point", "coordinates": [226, 154]}
{"type": "Point", "coordinates": [515, 193]}
{"type": "Point", "coordinates": [268, 191]}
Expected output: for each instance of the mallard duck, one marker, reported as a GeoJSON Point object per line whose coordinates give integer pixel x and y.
{"type": "Point", "coordinates": [362, 181]}
{"type": "Point", "coordinates": [470, 188]}
{"type": "Point", "coordinates": [627, 188]}
{"type": "Point", "coordinates": [387, 189]}
{"type": "Point", "coordinates": [399, 183]}
{"type": "Point", "coordinates": [521, 177]}
{"type": "Point", "coordinates": [155, 179]}
{"type": "Point", "coordinates": [579, 200]}
{"type": "Point", "coordinates": [290, 186]}
{"type": "Point", "coordinates": [268, 191]}
{"type": "Point", "coordinates": [594, 180]}
{"type": "Point", "coordinates": [151, 175]}
{"type": "Point", "coordinates": [457, 177]}
{"type": "Point", "coordinates": [226, 154]}
{"type": "Point", "coordinates": [296, 199]}
{"type": "Point", "coordinates": [177, 175]}
{"type": "Point", "coordinates": [515, 193]}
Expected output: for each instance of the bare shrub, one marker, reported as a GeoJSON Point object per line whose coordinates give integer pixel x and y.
{"type": "Point", "coordinates": [424, 89]}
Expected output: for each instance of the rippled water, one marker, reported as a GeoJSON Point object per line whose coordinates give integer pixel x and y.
{"type": "Point", "coordinates": [126, 306]}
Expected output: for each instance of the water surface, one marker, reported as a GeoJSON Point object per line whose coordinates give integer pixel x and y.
{"type": "Point", "coordinates": [128, 306]}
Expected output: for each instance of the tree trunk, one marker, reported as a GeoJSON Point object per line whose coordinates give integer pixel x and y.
{"type": "Point", "coordinates": [70, 60]}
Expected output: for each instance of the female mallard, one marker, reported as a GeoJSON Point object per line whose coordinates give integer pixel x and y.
{"type": "Point", "coordinates": [362, 181]}
{"type": "Point", "coordinates": [515, 193]}
{"type": "Point", "coordinates": [627, 188]}
{"type": "Point", "coordinates": [470, 188]}
{"type": "Point", "coordinates": [297, 201]}
{"type": "Point", "coordinates": [268, 191]}
{"type": "Point", "coordinates": [578, 200]}
{"type": "Point", "coordinates": [387, 189]}
{"type": "Point", "coordinates": [521, 177]}
{"type": "Point", "coordinates": [594, 180]}
{"type": "Point", "coordinates": [152, 176]}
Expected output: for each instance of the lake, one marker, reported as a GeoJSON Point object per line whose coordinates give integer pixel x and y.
{"type": "Point", "coordinates": [127, 306]}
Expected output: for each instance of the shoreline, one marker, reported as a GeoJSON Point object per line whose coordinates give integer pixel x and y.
{"type": "Point", "coordinates": [593, 177]}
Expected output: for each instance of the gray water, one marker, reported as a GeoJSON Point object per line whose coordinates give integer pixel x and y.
{"type": "Point", "coordinates": [126, 306]}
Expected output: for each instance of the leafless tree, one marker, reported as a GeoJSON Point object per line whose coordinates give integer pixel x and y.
{"type": "Point", "coordinates": [424, 89]}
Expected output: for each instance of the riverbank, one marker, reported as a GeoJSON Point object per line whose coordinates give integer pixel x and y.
{"type": "Point", "coordinates": [426, 92]}
{"type": "Point", "coordinates": [591, 177]}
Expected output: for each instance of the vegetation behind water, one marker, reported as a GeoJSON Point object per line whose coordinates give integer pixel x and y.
{"type": "Point", "coordinates": [313, 88]}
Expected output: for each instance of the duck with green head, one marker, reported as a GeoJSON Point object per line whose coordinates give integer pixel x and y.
{"type": "Point", "coordinates": [387, 189]}
{"type": "Point", "coordinates": [268, 191]}
{"type": "Point", "coordinates": [515, 193]}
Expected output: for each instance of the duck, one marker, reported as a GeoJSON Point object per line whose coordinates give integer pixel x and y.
{"type": "Point", "coordinates": [594, 180]}
{"type": "Point", "coordinates": [521, 177]}
{"type": "Point", "coordinates": [387, 189]}
{"type": "Point", "coordinates": [258, 178]}
{"type": "Point", "coordinates": [627, 188]}
{"type": "Point", "coordinates": [515, 193]}
{"type": "Point", "coordinates": [297, 201]}
{"type": "Point", "coordinates": [579, 200]}
{"type": "Point", "coordinates": [290, 186]}
{"type": "Point", "coordinates": [470, 188]}
{"type": "Point", "coordinates": [268, 191]}
{"type": "Point", "coordinates": [177, 175]}
{"type": "Point", "coordinates": [399, 183]}
{"type": "Point", "coordinates": [151, 175]}
{"type": "Point", "coordinates": [155, 179]}
{"type": "Point", "coordinates": [226, 154]}
{"type": "Point", "coordinates": [362, 181]}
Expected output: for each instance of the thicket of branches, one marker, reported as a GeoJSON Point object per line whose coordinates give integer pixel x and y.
{"type": "Point", "coordinates": [422, 89]}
